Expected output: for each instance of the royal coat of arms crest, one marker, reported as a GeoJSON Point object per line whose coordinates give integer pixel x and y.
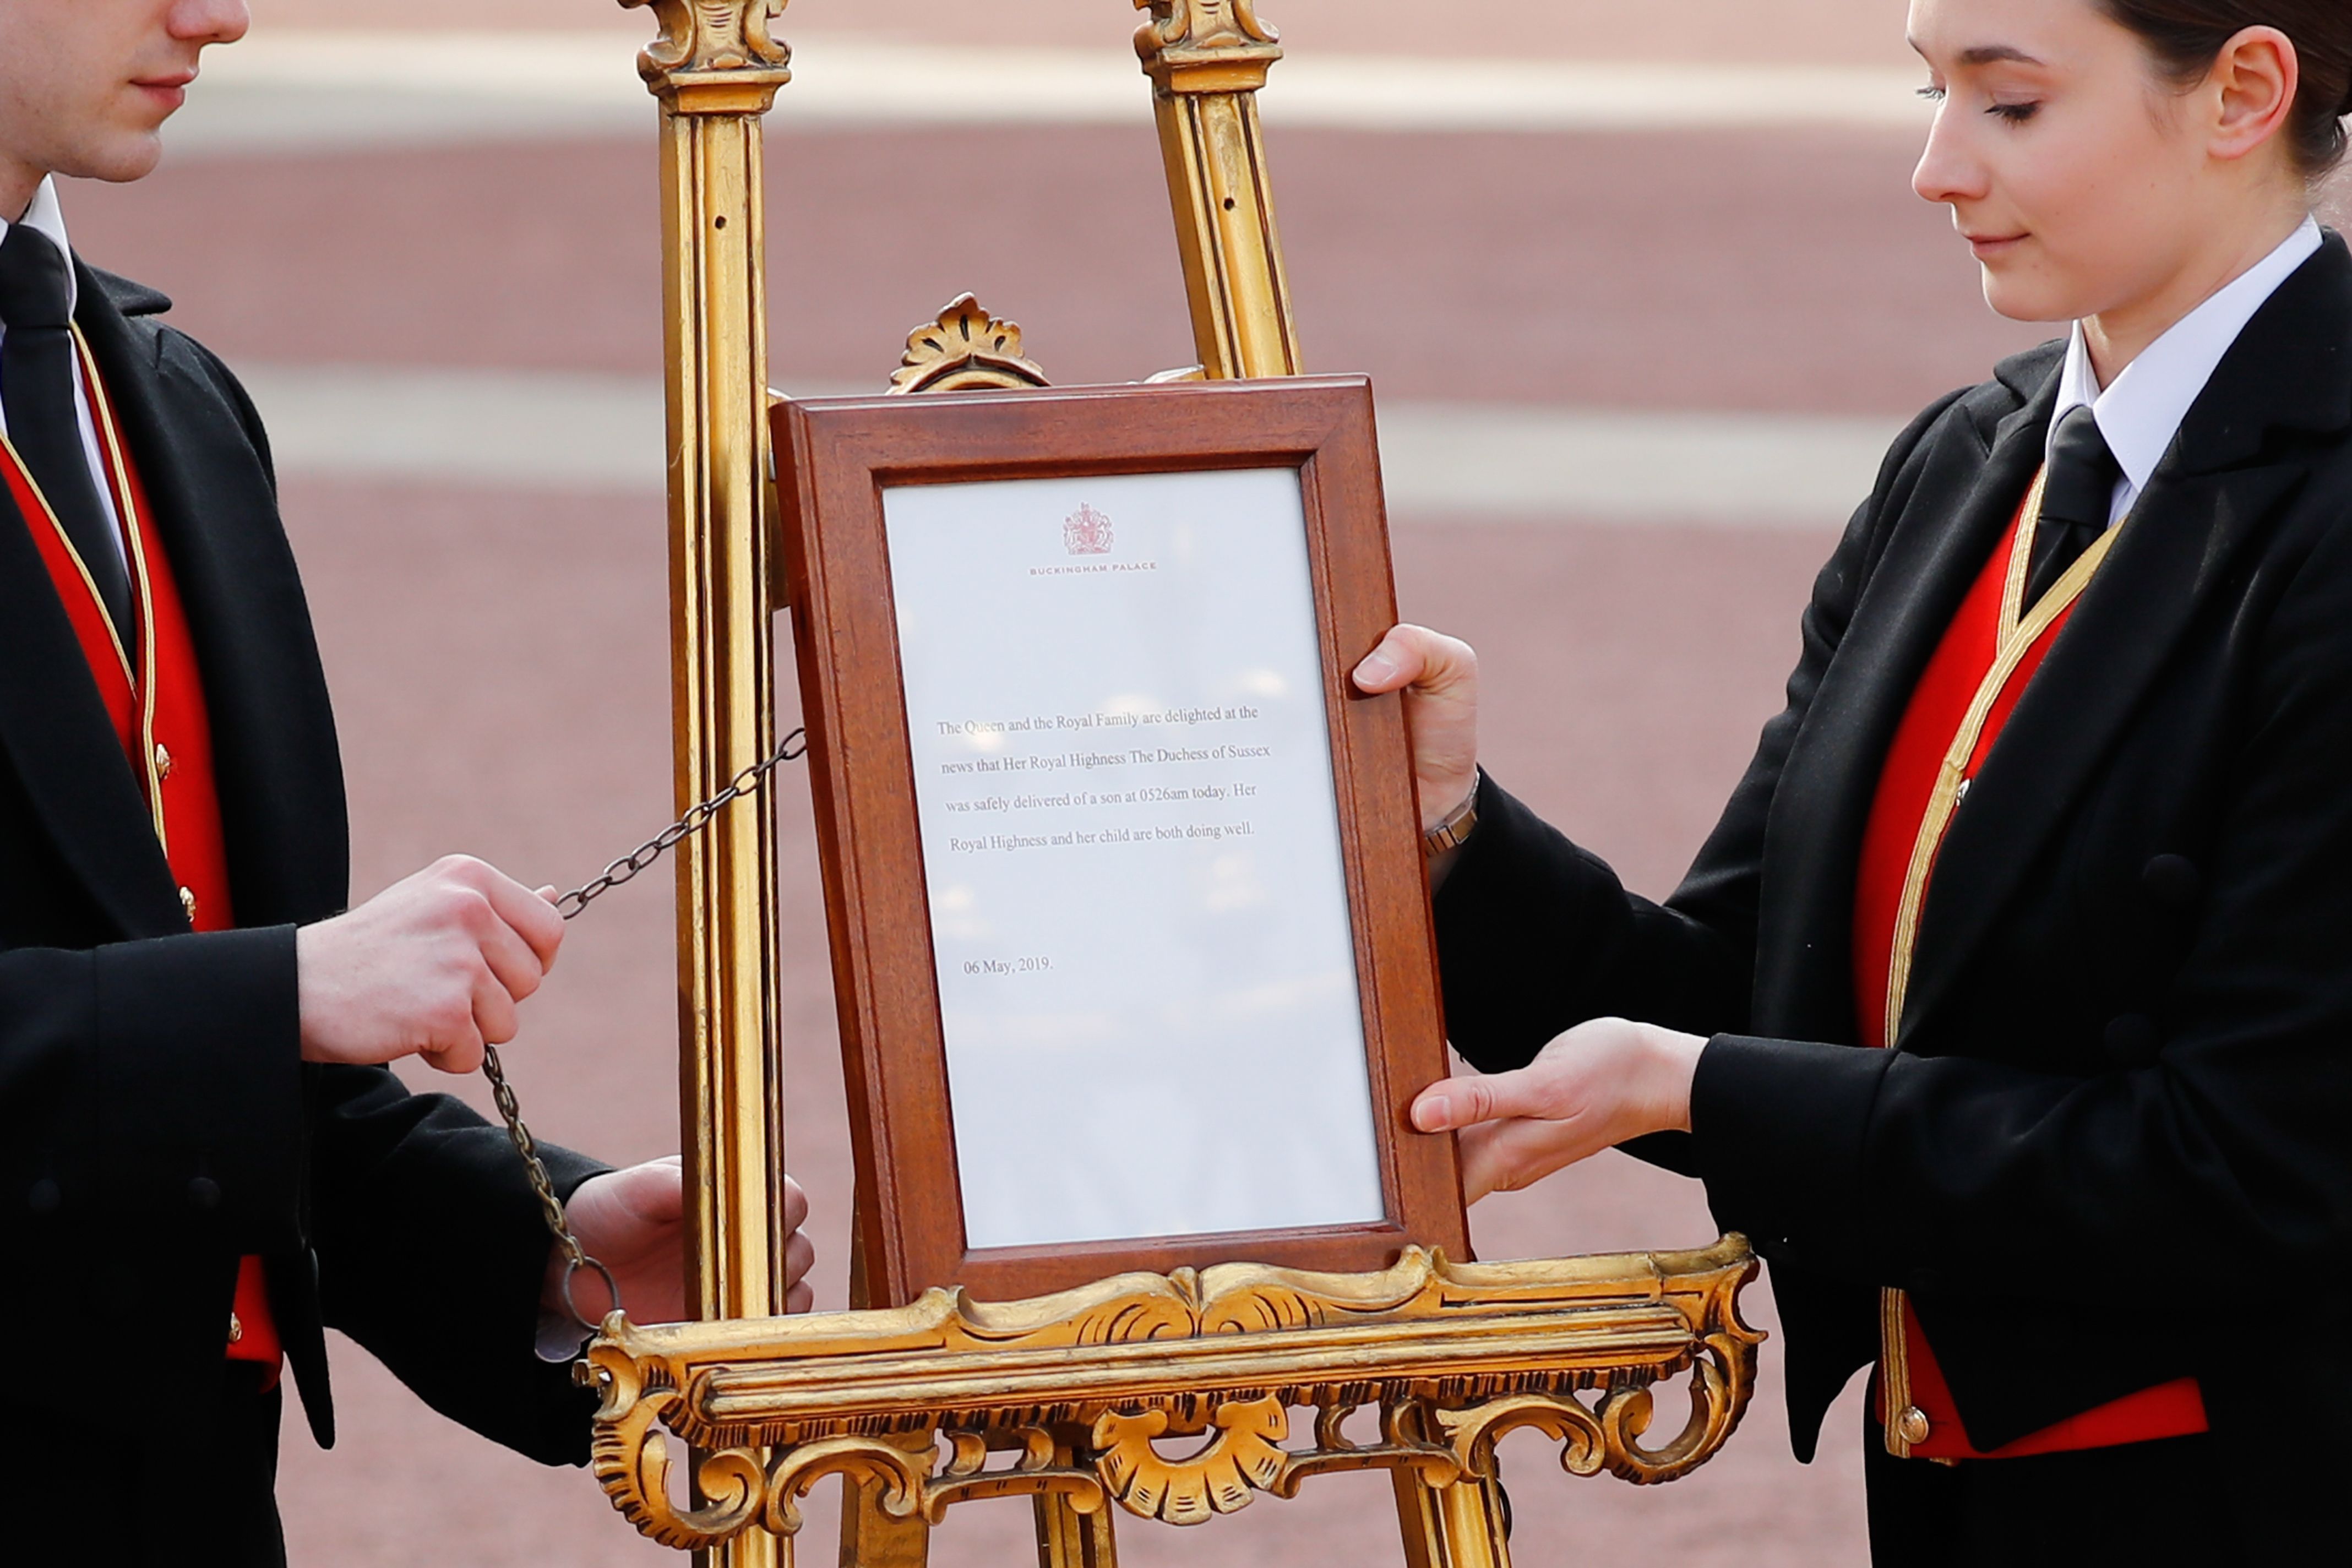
{"type": "Point", "coordinates": [1086, 532]}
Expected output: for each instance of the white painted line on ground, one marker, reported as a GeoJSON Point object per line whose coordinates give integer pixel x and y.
{"type": "Point", "coordinates": [506, 428]}
{"type": "Point", "coordinates": [304, 91]}
{"type": "Point", "coordinates": [1444, 462]}
{"type": "Point", "coordinates": [1763, 471]}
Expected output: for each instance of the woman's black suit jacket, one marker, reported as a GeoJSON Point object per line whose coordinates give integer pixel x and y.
{"type": "Point", "coordinates": [156, 1120]}
{"type": "Point", "coordinates": [2114, 1144]}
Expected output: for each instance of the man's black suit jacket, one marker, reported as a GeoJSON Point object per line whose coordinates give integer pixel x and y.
{"type": "Point", "coordinates": [156, 1120]}
{"type": "Point", "coordinates": [2114, 1146]}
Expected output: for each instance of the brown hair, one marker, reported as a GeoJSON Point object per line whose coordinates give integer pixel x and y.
{"type": "Point", "coordinates": [2187, 36]}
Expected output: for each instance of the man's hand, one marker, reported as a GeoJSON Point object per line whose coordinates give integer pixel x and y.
{"type": "Point", "coordinates": [1592, 1089]}
{"type": "Point", "coordinates": [430, 967]}
{"type": "Point", "coordinates": [1439, 676]}
{"type": "Point", "coordinates": [634, 1222]}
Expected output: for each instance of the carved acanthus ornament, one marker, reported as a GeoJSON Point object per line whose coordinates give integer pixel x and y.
{"type": "Point", "coordinates": [1081, 1387]}
{"type": "Point", "coordinates": [1207, 46]}
{"type": "Point", "coordinates": [722, 55]}
{"type": "Point", "coordinates": [964, 350]}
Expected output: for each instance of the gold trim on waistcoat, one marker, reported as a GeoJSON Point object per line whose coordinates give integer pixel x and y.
{"type": "Point", "coordinates": [2020, 630]}
{"type": "Point", "coordinates": [134, 526]}
{"type": "Point", "coordinates": [142, 680]}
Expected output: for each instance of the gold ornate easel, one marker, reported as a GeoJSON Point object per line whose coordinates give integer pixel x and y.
{"type": "Point", "coordinates": [1059, 1399]}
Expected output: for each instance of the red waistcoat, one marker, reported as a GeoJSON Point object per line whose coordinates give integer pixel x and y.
{"type": "Point", "coordinates": [153, 695]}
{"type": "Point", "coordinates": [1906, 822]}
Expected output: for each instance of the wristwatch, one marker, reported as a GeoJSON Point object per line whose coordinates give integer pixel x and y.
{"type": "Point", "coordinates": [1459, 824]}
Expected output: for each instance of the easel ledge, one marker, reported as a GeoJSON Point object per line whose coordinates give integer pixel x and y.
{"type": "Point", "coordinates": [1079, 1384]}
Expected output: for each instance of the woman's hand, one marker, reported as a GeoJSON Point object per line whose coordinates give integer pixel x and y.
{"type": "Point", "coordinates": [634, 1222]}
{"type": "Point", "coordinates": [1439, 676]}
{"type": "Point", "coordinates": [1592, 1089]}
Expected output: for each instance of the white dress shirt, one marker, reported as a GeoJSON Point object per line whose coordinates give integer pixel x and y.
{"type": "Point", "coordinates": [45, 217]}
{"type": "Point", "coordinates": [2142, 412]}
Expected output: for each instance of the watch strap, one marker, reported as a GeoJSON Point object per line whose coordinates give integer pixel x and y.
{"type": "Point", "coordinates": [1459, 824]}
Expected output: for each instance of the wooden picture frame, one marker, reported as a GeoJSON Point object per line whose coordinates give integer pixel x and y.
{"type": "Point", "coordinates": [837, 460]}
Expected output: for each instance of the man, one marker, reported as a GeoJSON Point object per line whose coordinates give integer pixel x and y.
{"type": "Point", "coordinates": [203, 1159]}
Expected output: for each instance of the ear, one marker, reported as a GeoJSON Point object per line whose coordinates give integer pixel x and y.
{"type": "Point", "coordinates": [2254, 79]}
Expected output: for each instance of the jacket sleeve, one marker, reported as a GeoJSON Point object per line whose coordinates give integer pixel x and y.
{"type": "Point", "coordinates": [154, 1087]}
{"type": "Point", "coordinates": [431, 1252]}
{"type": "Point", "coordinates": [2227, 1148]}
{"type": "Point", "coordinates": [1536, 935]}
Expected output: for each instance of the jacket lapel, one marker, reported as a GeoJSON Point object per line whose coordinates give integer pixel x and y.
{"type": "Point", "coordinates": [2213, 494]}
{"type": "Point", "coordinates": [201, 460]}
{"type": "Point", "coordinates": [1814, 837]}
{"type": "Point", "coordinates": [54, 728]}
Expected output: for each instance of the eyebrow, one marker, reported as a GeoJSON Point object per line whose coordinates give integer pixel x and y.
{"type": "Point", "coordinates": [1997, 54]}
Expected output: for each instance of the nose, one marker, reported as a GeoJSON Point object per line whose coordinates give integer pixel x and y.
{"type": "Point", "coordinates": [1949, 170]}
{"type": "Point", "coordinates": [209, 21]}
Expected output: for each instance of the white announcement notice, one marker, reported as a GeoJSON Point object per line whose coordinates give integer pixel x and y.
{"type": "Point", "coordinates": [1123, 772]}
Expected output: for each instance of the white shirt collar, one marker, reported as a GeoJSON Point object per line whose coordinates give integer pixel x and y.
{"type": "Point", "coordinates": [46, 216]}
{"type": "Point", "coordinates": [2142, 412]}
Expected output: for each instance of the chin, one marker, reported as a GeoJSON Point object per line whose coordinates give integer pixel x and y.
{"type": "Point", "coordinates": [119, 159]}
{"type": "Point", "coordinates": [2025, 297]}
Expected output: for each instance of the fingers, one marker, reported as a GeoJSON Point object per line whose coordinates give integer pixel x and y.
{"type": "Point", "coordinates": [1594, 1087]}
{"type": "Point", "coordinates": [654, 1192]}
{"type": "Point", "coordinates": [622, 1214]}
{"type": "Point", "coordinates": [513, 966]}
{"type": "Point", "coordinates": [1439, 677]}
{"type": "Point", "coordinates": [796, 1205]}
{"type": "Point", "coordinates": [650, 1195]}
{"type": "Point", "coordinates": [515, 932]}
{"type": "Point", "coordinates": [531, 916]}
{"type": "Point", "coordinates": [1415, 656]}
{"type": "Point", "coordinates": [800, 1256]}
{"type": "Point", "coordinates": [633, 1220]}
{"type": "Point", "coordinates": [1453, 1103]}
{"type": "Point", "coordinates": [461, 1055]}
{"type": "Point", "coordinates": [495, 1018]}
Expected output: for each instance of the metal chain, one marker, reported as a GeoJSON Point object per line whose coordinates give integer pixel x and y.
{"type": "Point", "coordinates": [793, 747]}
{"type": "Point", "coordinates": [625, 869]}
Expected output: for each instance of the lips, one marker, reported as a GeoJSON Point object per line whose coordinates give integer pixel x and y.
{"type": "Point", "coordinates": [167, 88]}
{"type": "Point", "coordinates": [1986, 246]}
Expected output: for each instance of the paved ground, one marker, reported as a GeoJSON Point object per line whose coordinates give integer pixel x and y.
{"type": "Point", "coordinates": [499, 652]}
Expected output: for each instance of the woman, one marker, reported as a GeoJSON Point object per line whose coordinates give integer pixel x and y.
{"type": "Point", "coordinates": [2060, 809]}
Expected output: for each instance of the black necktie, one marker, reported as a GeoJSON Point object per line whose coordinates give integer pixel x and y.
{"type": "Point", "coordinates": [36, 392]}
{"type": "Point", "coordinates": [2077, 497]}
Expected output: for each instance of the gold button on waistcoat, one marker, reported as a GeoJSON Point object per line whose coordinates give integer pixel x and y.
{"type": "Point", "coordinates": [162, 761]}
{"type": "Point", "coordinates": [235, 1328]}
{"type": "Point", "coordinates": [1912, 1426]}
{"type": "Point", "coordinates": [188, 902]}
